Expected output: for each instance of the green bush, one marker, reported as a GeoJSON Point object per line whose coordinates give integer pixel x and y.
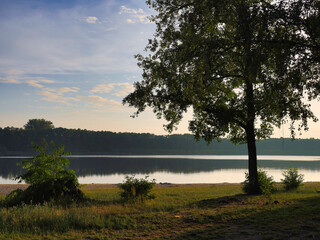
{"type": "Point", "coordinates": [266, 183]}
{"type": "Point", "coordinates": [49, 178]}
{"type": "Point", "coordinates": [292, 178]}
{"type": "Point", "coordinates": [136, 189]}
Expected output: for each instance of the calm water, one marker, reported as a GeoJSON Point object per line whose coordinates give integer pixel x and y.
{"type": "Point", "coordinates": [172, 168]}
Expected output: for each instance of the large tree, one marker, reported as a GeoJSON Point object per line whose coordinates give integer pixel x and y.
{"type": "Point", "coordinates": [223, 60]}
{"type": "Point", "coordinates": [38, 124]}
{"type": "Point", "coordinates": [302, 20]}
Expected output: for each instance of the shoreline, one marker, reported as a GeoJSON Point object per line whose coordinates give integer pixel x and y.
{"type": "Point", "coordinates": [7, 188]}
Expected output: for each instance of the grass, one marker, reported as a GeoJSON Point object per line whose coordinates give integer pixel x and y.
{"type": "Point", "coordinates": [184, 212]}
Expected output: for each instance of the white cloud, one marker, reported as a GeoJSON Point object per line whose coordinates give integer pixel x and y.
{"type": "Point", "coordinates": [56, 94]}
{"type": "Point", "coordinates": [61, 91]}
{"type": "Point", "coordinates": [130, 20]}
{"type": "Point", "coordinates": [54, 97]}
{"type": "Point", "coordinates": [102, 104]}
{"type": "Point", "coordinates": [46, 81]}
{"type": "Point", "coordinates": [34, 83]}
{"type": "Point", "coordinates": [136, 15]}
{"type": "Point", "coordinates": [31, 82]}
{"type": "Point", "coordinates": [102, 88]}
{"type": "Point", "coordinates": [67, 89]}
{"type": "Point", "coordinates": [12, 81]}
{"type": "Point", "coordinates": [92, 20]}
{"type": "Point", "coordinates": [96, 100]}
{"type": "Point", "coordinates": [124, 9]}
{"type": "Point", "coordinates": [117, 89]}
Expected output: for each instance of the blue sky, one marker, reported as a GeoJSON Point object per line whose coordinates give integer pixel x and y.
{"type": "Point", "coordinates": [72, 62]}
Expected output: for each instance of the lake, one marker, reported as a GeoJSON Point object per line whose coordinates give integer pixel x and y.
{"type": "Point", "coordinates": [172, 168]}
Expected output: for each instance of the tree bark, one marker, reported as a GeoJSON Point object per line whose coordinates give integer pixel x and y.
{"type": "Point", "coordinates": [252, 163]}
{"type": "Point", "coordinates": [250, 75]}
{"type": "Point", "coordinates": [251, 141]}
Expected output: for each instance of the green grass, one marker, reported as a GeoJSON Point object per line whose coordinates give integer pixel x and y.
{"type": "Point", "coordinates": [185, 212]}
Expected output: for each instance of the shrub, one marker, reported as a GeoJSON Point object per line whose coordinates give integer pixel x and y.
{"type": "Point", "coordinates": [49, 178]}
{"type": "Point", "coordinates": [292, 178]}
{"type": "Point", "coordinates": [266, 184]}
{"type": "Point", "coordinates": [136, 189]}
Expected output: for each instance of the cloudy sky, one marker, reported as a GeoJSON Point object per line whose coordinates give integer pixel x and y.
{"type": "Point", "coordinates": [71, 62]}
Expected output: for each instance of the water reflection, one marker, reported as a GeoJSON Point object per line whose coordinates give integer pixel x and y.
{"type": "Point", "coordinates": [100, 169]}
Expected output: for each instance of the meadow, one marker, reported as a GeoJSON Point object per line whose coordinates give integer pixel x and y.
{"type": "Point", "coordinates": [218, 211]}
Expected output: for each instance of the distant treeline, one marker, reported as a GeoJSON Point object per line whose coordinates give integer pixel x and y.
{"type": "Point", "coordinates": [17, 141]}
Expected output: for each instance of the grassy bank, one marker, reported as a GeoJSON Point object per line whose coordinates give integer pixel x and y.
{"type": "Point", "coordinates": [178, 212]}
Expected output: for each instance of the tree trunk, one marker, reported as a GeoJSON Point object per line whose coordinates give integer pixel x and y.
{"type": "Point", "coordinates": [250, 76]}
{"type": "Point", "coordinates": [251, 141]}
{"type": "Point", "coordinates": [252, 154]}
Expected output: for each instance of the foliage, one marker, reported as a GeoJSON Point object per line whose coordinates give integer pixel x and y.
{"type": "Point", "coordinates": [48, 176]}
{"type": "Point", "coordinates": [223, 60]}
{"type": "Point", "coordinates": [302, 18]}
{"type": "Point", "coordinates": [137, 189]}
{"type": "Point", "coordinates": [265, 183]}
{"type": "Point", "coordinates": [292, 178]}
{"type": "Point", "coordinates": [38, 124]}
{"type": "Point", "coordinates": [45, 166]}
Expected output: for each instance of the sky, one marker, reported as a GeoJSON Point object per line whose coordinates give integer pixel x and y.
{"type": "Point", "coordinates": [72, 62]}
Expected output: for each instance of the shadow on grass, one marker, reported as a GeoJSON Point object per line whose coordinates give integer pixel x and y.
{"type": "Point", "coordinates": [222, 201]}
{"type": "Point", "coordinates": [234, 217]}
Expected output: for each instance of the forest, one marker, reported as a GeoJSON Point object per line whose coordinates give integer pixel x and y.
{"type": "Point", "coordinates": [17, 141]}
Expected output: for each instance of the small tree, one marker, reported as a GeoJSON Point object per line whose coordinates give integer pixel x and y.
{"type": "Point", "coordinates": [266, 183]}
{"type": "Point", "coordinates": [292, 179]}
{"type": "Point", "coordinates": [136, 189]}
{"type": "Point", "coordinates": [45, 166]}
{"type": "Point", "coordinates": [49, 177]}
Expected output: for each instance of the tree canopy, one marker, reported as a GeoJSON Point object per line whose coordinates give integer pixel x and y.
{"type": "Point", "coordinates": [303, 17]}
{"type": "Point", "coordinates": [38, 124]}
{"type": "Point", "coordinates": [233, 63]}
